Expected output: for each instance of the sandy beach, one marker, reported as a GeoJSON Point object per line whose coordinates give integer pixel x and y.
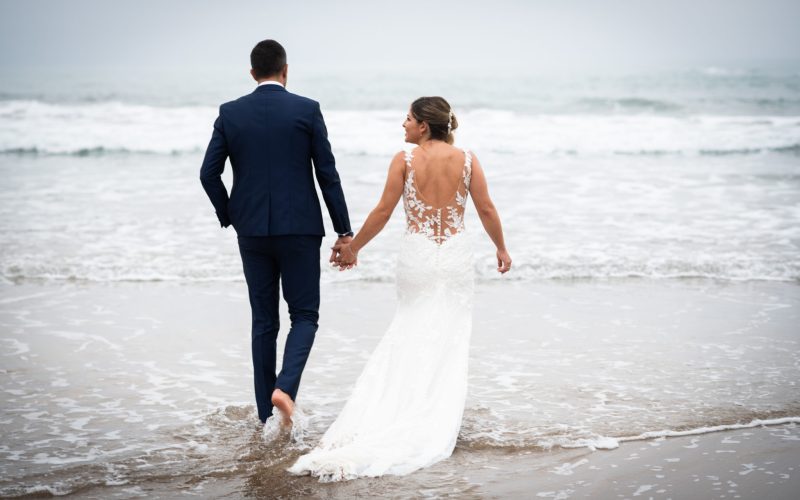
{"type": "Point", "coordinates": [578, 389]}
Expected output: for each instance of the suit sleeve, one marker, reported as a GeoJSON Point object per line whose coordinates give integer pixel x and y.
{"type": "Point", "coordinates": [211, 171]}
{"type": "Point", "coordinates": [327, 176]}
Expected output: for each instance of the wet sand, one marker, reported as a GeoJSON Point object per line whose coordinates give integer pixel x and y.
{"type": "Point", "coordinates": [758, 462]}
{"type": "Point", "coordinates": [761, 462]}
{"type": "Point", "coordinates": [124, 390]}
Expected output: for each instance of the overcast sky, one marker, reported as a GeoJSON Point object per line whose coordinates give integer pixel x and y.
{"type": "Point", "coordinates": [484, 36]}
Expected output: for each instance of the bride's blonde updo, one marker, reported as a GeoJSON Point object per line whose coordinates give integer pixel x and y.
{"type": "Point", "coordinates": [436, 112]}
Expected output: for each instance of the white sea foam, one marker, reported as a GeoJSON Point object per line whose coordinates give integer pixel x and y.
{"type": "Point", "coordinates": [715, 428]}
{"type": "Point", "coordinates": [500, 437]}
{"type": "Point", "coordinates": [582, 195]}
{"type": "Point", "coordinates": [19, 347]}
{"type": "Point", "coordinates": [297, 433]}
{"type": "Point", "coordinates": [115, 127]}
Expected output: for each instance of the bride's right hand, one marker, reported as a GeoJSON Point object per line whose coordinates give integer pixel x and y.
{"type": "Point", "coordinates": [503, 261]}
{"type": "Point", "coordinates": [347, 258]}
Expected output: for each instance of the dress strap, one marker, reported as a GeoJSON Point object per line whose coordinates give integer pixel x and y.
{"type": "Point", "coordinates": [409, 156]}
{"type": "Point", "coordinates": [467, 167]}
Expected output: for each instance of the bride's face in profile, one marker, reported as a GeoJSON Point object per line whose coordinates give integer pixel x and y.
{"type": "Point", "coordinates": [415, 131]}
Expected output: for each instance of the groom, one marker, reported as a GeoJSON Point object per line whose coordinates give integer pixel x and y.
{"type": "Point", "coordinates": [272, 138]}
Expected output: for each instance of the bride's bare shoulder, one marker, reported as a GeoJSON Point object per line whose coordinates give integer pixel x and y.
{"type": "Point", "coordinates": [400, 155]}
{"type": "Point", "coordinates": [399, 159]}
{"type": "Point", "coordinates": [398, 164]}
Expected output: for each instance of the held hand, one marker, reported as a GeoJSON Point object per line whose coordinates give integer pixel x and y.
{"type": "Point", "coordinates": [503, 261]}
{"type": "Point", "coordinates": [336, 246]}
{"type": "Point", "coordinates": [347, 258]}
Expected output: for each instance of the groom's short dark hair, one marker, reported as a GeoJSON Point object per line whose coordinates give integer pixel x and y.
{"type": "Point", "coordinates": [267, 58]}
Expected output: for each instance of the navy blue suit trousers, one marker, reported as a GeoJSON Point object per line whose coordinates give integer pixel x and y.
{"type": "Point", "coordinates": [291, 263]}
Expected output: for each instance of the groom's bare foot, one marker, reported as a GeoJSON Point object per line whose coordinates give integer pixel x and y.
{"type": "Point", "coordinates": [285, 404]}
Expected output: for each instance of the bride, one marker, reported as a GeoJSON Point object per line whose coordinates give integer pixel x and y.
{"type": "Point", "coordinates": [406, 407]}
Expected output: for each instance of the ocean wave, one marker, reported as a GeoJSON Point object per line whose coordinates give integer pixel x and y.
{"type": "Point", "coordinates": [717, 71]}
{"type": "Point", "coordinates": [523, 271]}
{"type": "Point", "coordinates": [115, 128]}
{"type": "Point", "coordinates": [528, 438]}
{"type": "Point", "coordinates": [790, 149]}
{"type": "Point", "coordinates": [626, 104]}
{"type": "Point", "coordinates": [100, 151]}
{"type": "Point", "coordinates": [96, 151]}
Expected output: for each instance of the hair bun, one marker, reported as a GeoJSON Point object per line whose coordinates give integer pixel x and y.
{"type": "Point", "coordinates": [439, 116]}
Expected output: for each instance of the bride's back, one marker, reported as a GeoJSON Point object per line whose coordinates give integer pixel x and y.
{"type": "Point", "coordinates": [438, 172]}
{"type": "Point", "coordinates": [435, 191]}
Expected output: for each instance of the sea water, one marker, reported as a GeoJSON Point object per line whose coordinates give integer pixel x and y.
{"type": "Point", "coordinates": [653, 219]}
{"type": "Point", "coordinates": [687, 173]}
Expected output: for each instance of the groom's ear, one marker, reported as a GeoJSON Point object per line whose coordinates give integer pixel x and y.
{"type": "Point", "coordinates": [253, 74]}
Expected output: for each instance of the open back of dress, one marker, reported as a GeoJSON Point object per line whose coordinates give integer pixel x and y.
{"type": "Point", "coordinates": [437, 223]}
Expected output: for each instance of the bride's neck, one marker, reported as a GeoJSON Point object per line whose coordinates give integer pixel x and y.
{"type": "Point", "coordinates": [428, 143]}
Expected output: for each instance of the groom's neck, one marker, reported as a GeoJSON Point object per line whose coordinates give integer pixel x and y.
{"type": "Point", "coordinates": [274, 78]}
{"type": "Point", "coordinates": [280, 76]}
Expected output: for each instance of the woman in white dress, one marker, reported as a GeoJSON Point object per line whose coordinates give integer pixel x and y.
{"type": "Point", "coordinates": [406, 406]}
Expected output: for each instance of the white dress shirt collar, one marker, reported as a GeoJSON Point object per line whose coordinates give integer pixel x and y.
{"type": "Point", "coordinates": [270, 82]}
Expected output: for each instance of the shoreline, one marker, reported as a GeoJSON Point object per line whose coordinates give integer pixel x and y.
{"type": "Point", "coordinates": [761, 461]}
{"type": "Point", "coordinates": [335, 279]}
{"type": "Point", "coordinates": [611, 443]}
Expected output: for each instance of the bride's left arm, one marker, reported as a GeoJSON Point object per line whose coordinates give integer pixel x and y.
{"type": "Point", "coordinates": [380, 215]}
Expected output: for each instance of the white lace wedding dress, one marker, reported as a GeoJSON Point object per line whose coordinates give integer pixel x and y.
{"type": "Point", "coordinates": [406, 407]}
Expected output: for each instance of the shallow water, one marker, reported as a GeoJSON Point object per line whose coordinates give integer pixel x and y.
{"type": "Point", "coordinates": [130, 385]}
{"type": "Point", "coordinates": [592, 177]}
{"type": "Point", "coordinates": [138, 218]}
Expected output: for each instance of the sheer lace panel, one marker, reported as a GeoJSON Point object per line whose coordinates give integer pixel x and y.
{"type": "Point", "coordinates": [437, 223]}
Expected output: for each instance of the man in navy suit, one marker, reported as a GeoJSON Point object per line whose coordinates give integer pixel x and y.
{"type": "Point", "coordinates": [277, 142]}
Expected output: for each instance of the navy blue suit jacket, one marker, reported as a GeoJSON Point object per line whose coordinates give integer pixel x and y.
{"type": "Point", "coordinates": [272, 138]}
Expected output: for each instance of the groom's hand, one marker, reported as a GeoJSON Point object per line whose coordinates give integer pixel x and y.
{"type": "Point", "coordinates": [347, 258]}
{"type": "Point", "coordinates": [340, 242]}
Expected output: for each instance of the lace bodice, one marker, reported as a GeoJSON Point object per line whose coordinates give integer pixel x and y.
{"type": "Point", "coordinates": [437, 223]}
